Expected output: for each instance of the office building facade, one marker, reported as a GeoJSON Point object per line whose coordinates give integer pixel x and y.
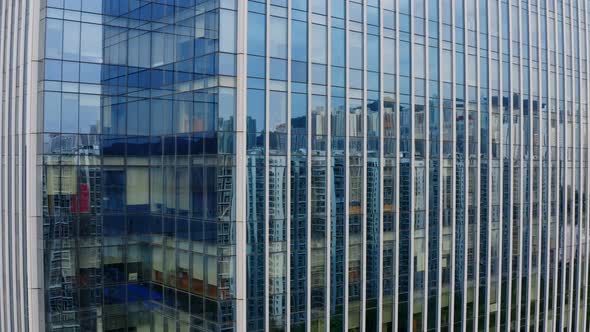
{"type": "Point", "coordinates": [294, 165]}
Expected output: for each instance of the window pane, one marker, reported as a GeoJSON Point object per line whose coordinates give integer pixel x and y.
{"type": "Point", "coordinates": [227, 33]}
{"type": "Point", "coordinates": [52, 114]}
{"type": "Point", "coordinates": [299, 41]}
{"type": "Point", "coordinates": [319, 41]}
{"type": "Point", "coordinates": [356, 50]}
{"type": "Point", "coordinates": [89, 114]}
{"type": "Point", "coordinates": [256, 33]}
{"type": "Point", "coordinates": [255, 110]}
{"type": "Point", "coordinates": [69, 113]}
{"type": "Point", "coordinates": [54, 40]}
{"type": "Point", "coordinates": [71, 40]}
{"type": "Point", "coordinates": [278, 111]}
{"type": "Point", "coordinates": [91, 45]}
{"type": "Point", "coordinates": [278, 37]}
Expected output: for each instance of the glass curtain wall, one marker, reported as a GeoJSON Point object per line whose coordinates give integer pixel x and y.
{"type": "Point", "coordinates": [138, 102]}
{"type": "Point", "coordinates": [409, 165]}
{"type": "Point", "coordinates": [443, 145]}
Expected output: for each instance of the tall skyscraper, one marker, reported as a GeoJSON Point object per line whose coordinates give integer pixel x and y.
{"type": "Point", "coordinates": [294, 165]}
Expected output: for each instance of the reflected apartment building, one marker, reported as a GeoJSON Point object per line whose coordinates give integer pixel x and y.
{"type": "Point", "coordinates": [294, 165]}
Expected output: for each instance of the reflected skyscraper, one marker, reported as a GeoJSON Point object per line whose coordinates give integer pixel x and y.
{"type": "Point", "coordinates": [294, 165]}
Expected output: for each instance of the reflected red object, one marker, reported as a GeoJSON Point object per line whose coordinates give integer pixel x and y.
{"type": "Point", "coordinates": [80, 203]}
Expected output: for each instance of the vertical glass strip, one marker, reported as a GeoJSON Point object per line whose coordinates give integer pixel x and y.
{"type": "Point", "coordinates": [419, 163]}
{"type": "Point", "coordinates": [256, 154]}
{"type": "Point", "coordinates": [528, 171]}
{"type": "Point", "coordinates": [389, 209]}
{"type": "Point", "coordinates": [537, 140]}
{"type": "Point", "coordinates": [318, 131]}
{"type": "Point", "coordinates": [277, 200]}
{"type": "Point", "coordinates": [405, 168]}
{"type": "Point", "coordinates": [356, 162]}
{"type": "Point", "coordinates": [373, 166]}
{"type": "Point", "coordinates": [389, 193]}
{"type": "Point", "coordinates": [585, 144]}
{"type": "Point", "coordinates": [338, 165]}
{"type": "Point", "coordinates": [299, 224]}
{"type": "Point", "coordinates": [434, 169]}
{"type": "Point", "coordinates": [517, 165]}
{"type": "Point", "coordinates": [338, 178]}
{"type": "Point", "coordinates": [355, 216]}
{"type": "Point", "coordinates": [256, 202]}
{"type": "Point", "coordinates": [554, 140]}
{"type": "Point", "coordinates": [447, 68]}
{"type": "Point", "coordinates": [506, 133]}
{"type": "Point", "coordinates": [485, 171]}
{"type": "Point", "coordinates": [496, 180]}
{"type": "Point", "coordinates": [318, 211]}
{"type": "Point", "coordinates": [299, 176]}
{"type": "Point", "coordinates": [562, 192]}
{"type": "Point", "coordinates": [545, 125]}
{"type": "Point", "coordinates": [474, 185]}
{"type": "Point", "coordinates": [460, 169]}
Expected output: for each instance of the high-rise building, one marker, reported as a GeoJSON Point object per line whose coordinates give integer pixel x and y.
{"type": "Point", "coordinates": [294, 165]}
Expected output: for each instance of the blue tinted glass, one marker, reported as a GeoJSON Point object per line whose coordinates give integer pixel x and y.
{"type": "Point", "coordinates": [319, 44]}
{"type": "Point", "coordinates": [405, 62]}
{"type": "Point", "coordinates": [338, 8]}
{"type": "Point", "coordinates": [318, 6]}
{"type": "Point", "coordinates": [92, 6]}
{"type": "Point", "coordinates": [404, 6]}
{"type": "Point", "coordinates": [373, 52]}
{"type": "Point", "coordinates": [53, 39]}
{"type": "Point", "coordinates": [53, 70]}
{"type": "Point", "coordinates": [227, 32]}
{"type": "Point", "coordinates": [338, 47]}
{"type": "Point", "coordinates": [356, 12]}
{"type": "Point", "coordinates": [227, 64]}
{"type": "Point", "coordinates": [318, 74]}
{"type": "Point", "coordinates": [299, 4]}
{"type": "Point", "coordinates": [256, 118]}
{"type": "Point", "coordinates": [89, 114]}
{"type": "Point", "coordinates": [69, 113]}
{"type": "Point", "coordinates": [90, 73]}
{"type": "Point", "coordinates": [277, 110]}
{"type": "Point", "coordinates": [299, 41]}
{"type": "Point", "coordinates": [299, 71]}
{"type": "Point", "coordinates": [373, 16]}
{"type": "Point", "coordinates": [91, 43]}
{"type": "Point", "coordinates": [298, 110]}
{"type": "Point", "coordinates": [256, 66]}
{"type": "Point", "coordinates": [52, 110]}
{"type": "Point", "coordinates": [71, 40]}
{"type": "Point", "coordinates": [73, 4]}
{"type": "Point", "coordinates": [71, 71]}
{"type": "Point", "coordinates": [356, 50]}
{"type": "Point", "coordinates": [278, 69]}
{"type": "Point", "coordinates": [278, 37]}
{"type": "Point", "coordinates": [256, 33]}
{"type": "Point", "coordinates": [338, 76]}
